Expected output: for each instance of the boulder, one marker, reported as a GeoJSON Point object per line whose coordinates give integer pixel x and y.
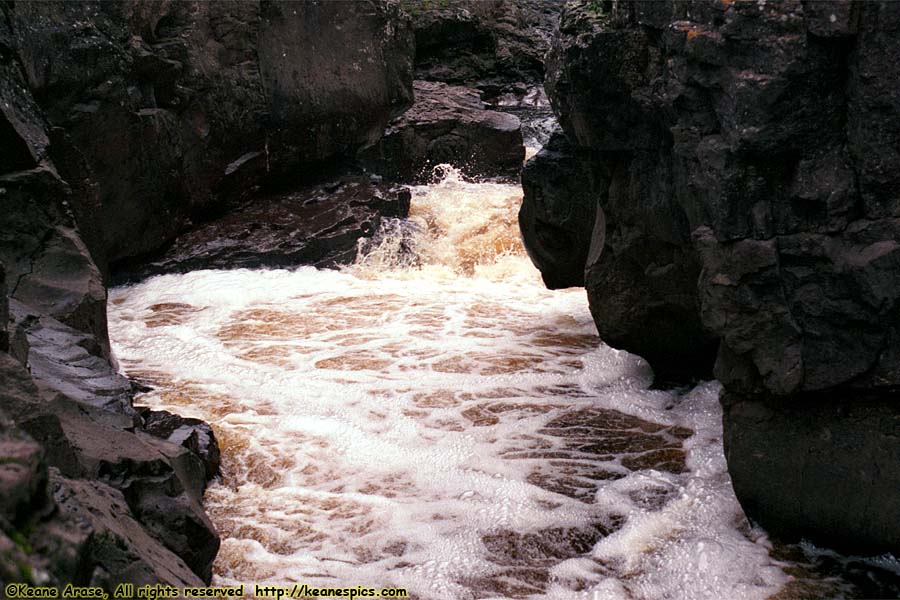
{"type": "Point", "coordinates": [65, 361]}
{"type": "Point", "coordinates": [23, 474]}
{"type": "Point", "coordinates": [750, 205]}
{"type": "Point", "coordinates": [447, 124]}
{"type": "Point", "coordinates": [48, 266]}
{"type": "Point", "coordinates": [560, 205]}
{"type": "Point", "coordinates": [118, 549]}
{"type": "Point", "coordinates": [193, 434]}
{"type": "Point", "coordinates": [37, 543]}
{"type": "Point", "coordinates": [317, 225]}
{"type": "Point", "coordinates": [830, 463]}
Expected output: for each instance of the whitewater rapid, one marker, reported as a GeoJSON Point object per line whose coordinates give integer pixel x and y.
{"type": "Point", "coordinates": [433, 418]}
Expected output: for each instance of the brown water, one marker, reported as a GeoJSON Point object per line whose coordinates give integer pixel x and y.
{"type": "Point", "coordinates": [433, 418]}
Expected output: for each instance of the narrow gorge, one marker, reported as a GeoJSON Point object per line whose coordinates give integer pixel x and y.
{"type": "Point", "coordinates": [462, 299]}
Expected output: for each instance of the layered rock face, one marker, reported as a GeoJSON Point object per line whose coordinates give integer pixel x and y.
{"type": "Point", "coordinates": [121, 125]}
{"type": "Point", "coordinates": [745, 158]}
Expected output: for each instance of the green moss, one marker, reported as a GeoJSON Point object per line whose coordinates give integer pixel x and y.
{"type": "Point", "coordinates": [25, 572]}
{"type": "Point", "coordinates": [20, 539]}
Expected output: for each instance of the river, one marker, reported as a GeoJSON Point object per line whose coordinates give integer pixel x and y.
{"type": "Point", "coordinates": [433, 418]}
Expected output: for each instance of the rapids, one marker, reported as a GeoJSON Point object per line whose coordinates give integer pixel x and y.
{"type": "Point", "coordinates": [433, 418]}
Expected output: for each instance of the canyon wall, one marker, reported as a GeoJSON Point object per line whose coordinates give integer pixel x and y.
{"type": "Point", "coordinates": [122, 124]}
{"type": "Point", "coordinates": [733, 207]}
{"type": "Point", "coordinates": [474, 61]}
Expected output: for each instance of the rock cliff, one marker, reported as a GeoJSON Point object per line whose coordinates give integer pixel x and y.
{"type": "Point", "coordinates": [197, 101]}
{"type": "Point", "coordinates": [743, 167]}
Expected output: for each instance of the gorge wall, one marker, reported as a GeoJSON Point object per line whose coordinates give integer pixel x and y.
{"type": "Point", "coordinates": [731, 202]}
{"type": "Point", "coordinates": [122, 125]}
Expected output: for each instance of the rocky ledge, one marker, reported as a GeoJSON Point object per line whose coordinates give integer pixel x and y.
{"type": "Point", "coordinates": [733, 204]}
{"type": "Point", "coordinates": [318, 224]}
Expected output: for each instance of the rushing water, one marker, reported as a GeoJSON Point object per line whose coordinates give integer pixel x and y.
{"type": "Point", "coordinates": [433, 418]}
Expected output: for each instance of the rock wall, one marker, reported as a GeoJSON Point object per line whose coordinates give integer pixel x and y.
{"type": "Point", "coordinates": [122, 124]}
{"type": "Point", "coordinates": [496, 46]}
{"type": "Point", "coordinates": [745, 157]}
{"type": "Point", "coordinates": [200, 101]}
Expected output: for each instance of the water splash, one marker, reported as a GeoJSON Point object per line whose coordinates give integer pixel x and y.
{"type": "Point", "coordinates": [456, 228]}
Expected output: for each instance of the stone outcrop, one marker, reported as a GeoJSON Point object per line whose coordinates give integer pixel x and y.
{"type": "Point", "coordinates": [447, 124]}
{"type": "Point", "coordinates": [558, 212]}
{"type": "Point", "coordinates": [745, 157]}
{"type": "Point", "coordinates": [116, 505]}
{"type": "Point", "coordinates": [496, 46]}
{"type": "Point", "coordinates": [199, 101]}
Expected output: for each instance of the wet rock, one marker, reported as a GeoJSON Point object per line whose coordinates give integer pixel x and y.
{"type": "Point", "coordinates": [161, 482]}
{"type": "Point", "coordinates": [64, 361]}
{"type": "Point", "coordinates": [180, 92]}
{"type": "Point", "coordinates": [119, 550]}
{"type": "Point", "coordinates": [751, 204]}
{"type": "Point", "coordinates": [642, 295]}
{"type": "Point", "coordinates": [23, 474]}
{"type": "Point", "coordinates": [447, 124]}
{"type": "Point", "coordinates": [558, 211]}
{"type": "Point", "coordinates": [193, 434]}
{"type": "Point", "coordinates": [497, 46]}
{"type": "Point", "coordinates": [58, 529]}
{"type": "Point", "coordinates": [824, 461]}
{"type": "Point", "coordinates": [37, 543]}
{"type": "Point", "coordinates": [318, 225]}
{"type": "Point", "coordinates": [48, 266]}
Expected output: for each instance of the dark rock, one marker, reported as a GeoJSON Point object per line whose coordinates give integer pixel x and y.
{"type": "Point", "coordinates": [447, 124]}
{"type": "Point", "coordinates": [79, 531]}
{"type": "Point", "coordinates": [48, 266]}
{"type": "Point", "coordinates": [65, 361]}
{"type": "Point", "coordinates": [751, 197]}
{"type": "Point", "coordinates": [318, 225]}
{"type": "Point", "coordinates": [494, 45]}
{"type": "Point", "coordinates": [23, 134]}
{"type": "Point", "coordinates": [642, 295]}
{"type": "Point", "coordinates": [873, 108]}
{"type": "Point", "coordinates": [162, 482]}
{"type": "Point", "coordinates": [37, 543]}
{"type": "Point", "coordinates": [4, 313]}
{"type": "Point", "coordinates": [828, 463]}
{"type": "Point", "coordinates": [119, 550]}
{"type": "Point", "coordinates": [23, 473]}
{"type": "Point", "coordinates": [560, 204]}
{"type": "Point", "coordinates": [180, 92]}
{"type": "Point", "coordinates": [193, 434]}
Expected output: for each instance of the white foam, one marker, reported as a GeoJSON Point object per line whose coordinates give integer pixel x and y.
{"type": "Point", "coordinates": [375, 422]}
